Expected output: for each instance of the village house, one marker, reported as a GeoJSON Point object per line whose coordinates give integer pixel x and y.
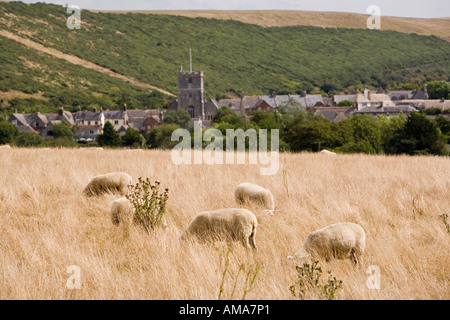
{"type": "Point", "coordinates": [145, 120]}
{"type": "Point", "coordinates": [41, 123]}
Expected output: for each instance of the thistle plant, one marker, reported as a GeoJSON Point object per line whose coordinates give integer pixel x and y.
{"type": "Point", "coordinates": [309, 281]}
{"type": "Point", "coordinates": [149, 203]}
{"type": "Point", "coordinates": [444, 218]}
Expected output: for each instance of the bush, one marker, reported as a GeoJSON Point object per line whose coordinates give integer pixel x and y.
{"type": "Point", "coordinates": [160, 137]}
{"type": "Point", "coordinates": [345, 103]}
{"type": "Point", "coordinates": [28, 139]}
{"type": "Point", "coordinates": [149, 203]}
{"type": "Point", "coordinates": [133, 138]}
{"type": "Point", "coordinates": [8, 132]}
{"type": "Point", "coordinates": [109, 137]}
{"type": "Point", "coordinates": [308, 283]}
{"type": "Point", "coordinates": [357, 147]}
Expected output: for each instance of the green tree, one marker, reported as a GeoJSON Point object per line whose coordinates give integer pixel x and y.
{"type": "Point", "coordinates": [345, 103]}
{"type": "Point", "coordinates": [310, 135]}
{"type": "Point", "coordinates": [63, 131]}
{"type": "Point", "coordinates": [28, 139]}
{"type": "Point", "coordinates": [179, 117]}
{"type": "Point", "coordinates": [8, 132]}
{"type": "Point", "coordinates": [438, 89]}
{"type": "Point", "coordinates": [224, 114]}
{"type": "Point", "coordinates": [160, 137]}
{"type": "Point", "coordinates": [109, 137]}
{"type": "Point", "coordinates": [366, 129]}
{"type": "Point", "coordinates": [419, 135]}
{"type": "Point", "coordinates": [133, 138]}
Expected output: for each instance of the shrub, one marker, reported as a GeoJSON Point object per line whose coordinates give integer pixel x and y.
{"type": "Point", "coordinates": [8, 132]}
{"type": "Point", "coordinates": [28, 139]}
{"type": "Point", "coordinates": [109, 137]}
{"type": "Point", "coordinates": [149, 203]}
{"type": "Point", "coordinates": [308, 283]}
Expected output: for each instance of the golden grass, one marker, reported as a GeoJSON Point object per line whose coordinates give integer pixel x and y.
{"type": "Point", "coordinates": [47, 225]}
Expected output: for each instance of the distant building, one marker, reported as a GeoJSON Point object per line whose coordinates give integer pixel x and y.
{"type": "Point", "coordinates": [145, 120]}
{"type": "Point", "coordinates": [41, 123]}
{"type": "Point", "coordinates": [191, 97]}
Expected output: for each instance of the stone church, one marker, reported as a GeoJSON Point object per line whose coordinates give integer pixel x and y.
{"type": "Point", "coordinates": [191, 97]}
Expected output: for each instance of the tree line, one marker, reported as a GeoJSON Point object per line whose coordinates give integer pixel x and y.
{"type": "Point", "coordinates": [414, 134]}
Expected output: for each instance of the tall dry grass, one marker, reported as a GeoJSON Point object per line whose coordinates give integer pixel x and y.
{"type": "Point", "coordinates": [47, 225]}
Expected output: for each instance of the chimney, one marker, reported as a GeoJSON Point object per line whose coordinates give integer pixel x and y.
{"type": "Point", "coordinates": [60, 111]}
{"type": "Point", "coordinates": [304, 93]}
{"type": "Point", "coordinates": [15, 110]}
{"type": "Point", "coordinates": [101, 109]}
{"type": "Point", "coordinates": [94, 109]}
{"type": "Point", "coordinates": [242, 105]}
{"type": "Point", "coordinates": [366, 93]}
{"type": "Point", "coordinates": [125, 107]}
{"type": "Point", "coordinates": [38, 109]}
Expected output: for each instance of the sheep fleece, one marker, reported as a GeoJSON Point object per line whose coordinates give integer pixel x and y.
{"type": "Point", "coordinates": [234, 224]}
{"type": "Point", "coordinates": [343, 240]}
{"type": "Point", "coordinates": [249, 192]}
{"type": "Point", "coordinates": [110, 182]}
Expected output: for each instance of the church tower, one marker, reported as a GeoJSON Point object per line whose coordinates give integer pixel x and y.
{"type": "Point", "coordinates": [191, 94]}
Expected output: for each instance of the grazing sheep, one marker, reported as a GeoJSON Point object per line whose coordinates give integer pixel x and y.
{"type": "Point", "coordinates": [110, 182]}
{"type": "Point", "coordinates": [5, 146]}
{"type": "Point", "coordinates": [343, 240]}
{"type": "Point", "coordinates": [122, 212]}
{"type": "Point", "coordinates": [328, 152]}
{"type": "Point", "coordinates": [247, 193]}
{"type": "Point", "coordinates": [234, 224]}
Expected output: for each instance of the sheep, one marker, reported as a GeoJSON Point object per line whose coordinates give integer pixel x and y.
{"type": "Point", "coordinates": [110, 182]}
{"type": "Point", "coordinates": [324, 151]}
{"type": "Point", "coordinates": [343, 240]}
{"type": "Point", "coordinates": [247, 193]}
{"type": "Point", "coordinates": [122, 212]}
{"type": "Point", "coordinates": [231, 224]}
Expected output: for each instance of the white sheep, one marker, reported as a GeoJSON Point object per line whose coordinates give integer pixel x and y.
{"type": "Point", "coordinates": [231, 224]}
{"type": "Point", "coordinates": [110, 182]}
{"type": "Point", "coordinates": [324, 151]}
{"type": "Point", "coordinates": [248, 193]}
{"type": "Point", "coordinates": [122, 213]}
{"type": "Point", "coordinates": [343, 240]}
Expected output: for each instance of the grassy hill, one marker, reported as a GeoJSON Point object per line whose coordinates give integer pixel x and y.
{"type": "Point", "coordinates": [280, 18]}
{"type": "Point", "coordinates": [235, 56]}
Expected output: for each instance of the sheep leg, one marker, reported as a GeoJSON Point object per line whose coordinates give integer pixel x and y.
{"type": "Point", "coordinates": [252, 239]}
{"type": "Point", "coordinates": [355, 257]}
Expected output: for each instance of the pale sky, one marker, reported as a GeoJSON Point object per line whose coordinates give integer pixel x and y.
{"type": "Point", "coordinates": [399, 8]}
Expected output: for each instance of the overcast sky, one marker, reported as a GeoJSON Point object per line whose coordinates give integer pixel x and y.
{"type": "Point", "coordinates": [400, 8]}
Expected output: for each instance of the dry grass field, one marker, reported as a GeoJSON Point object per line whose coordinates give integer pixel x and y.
{"type": "Point", "coordinates": [47, 225]}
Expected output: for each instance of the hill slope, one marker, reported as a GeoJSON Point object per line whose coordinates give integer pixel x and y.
{"type": "Point", "coordinates": [280, 18]}
{"type": "Point", "coordinates": [235, 56]}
